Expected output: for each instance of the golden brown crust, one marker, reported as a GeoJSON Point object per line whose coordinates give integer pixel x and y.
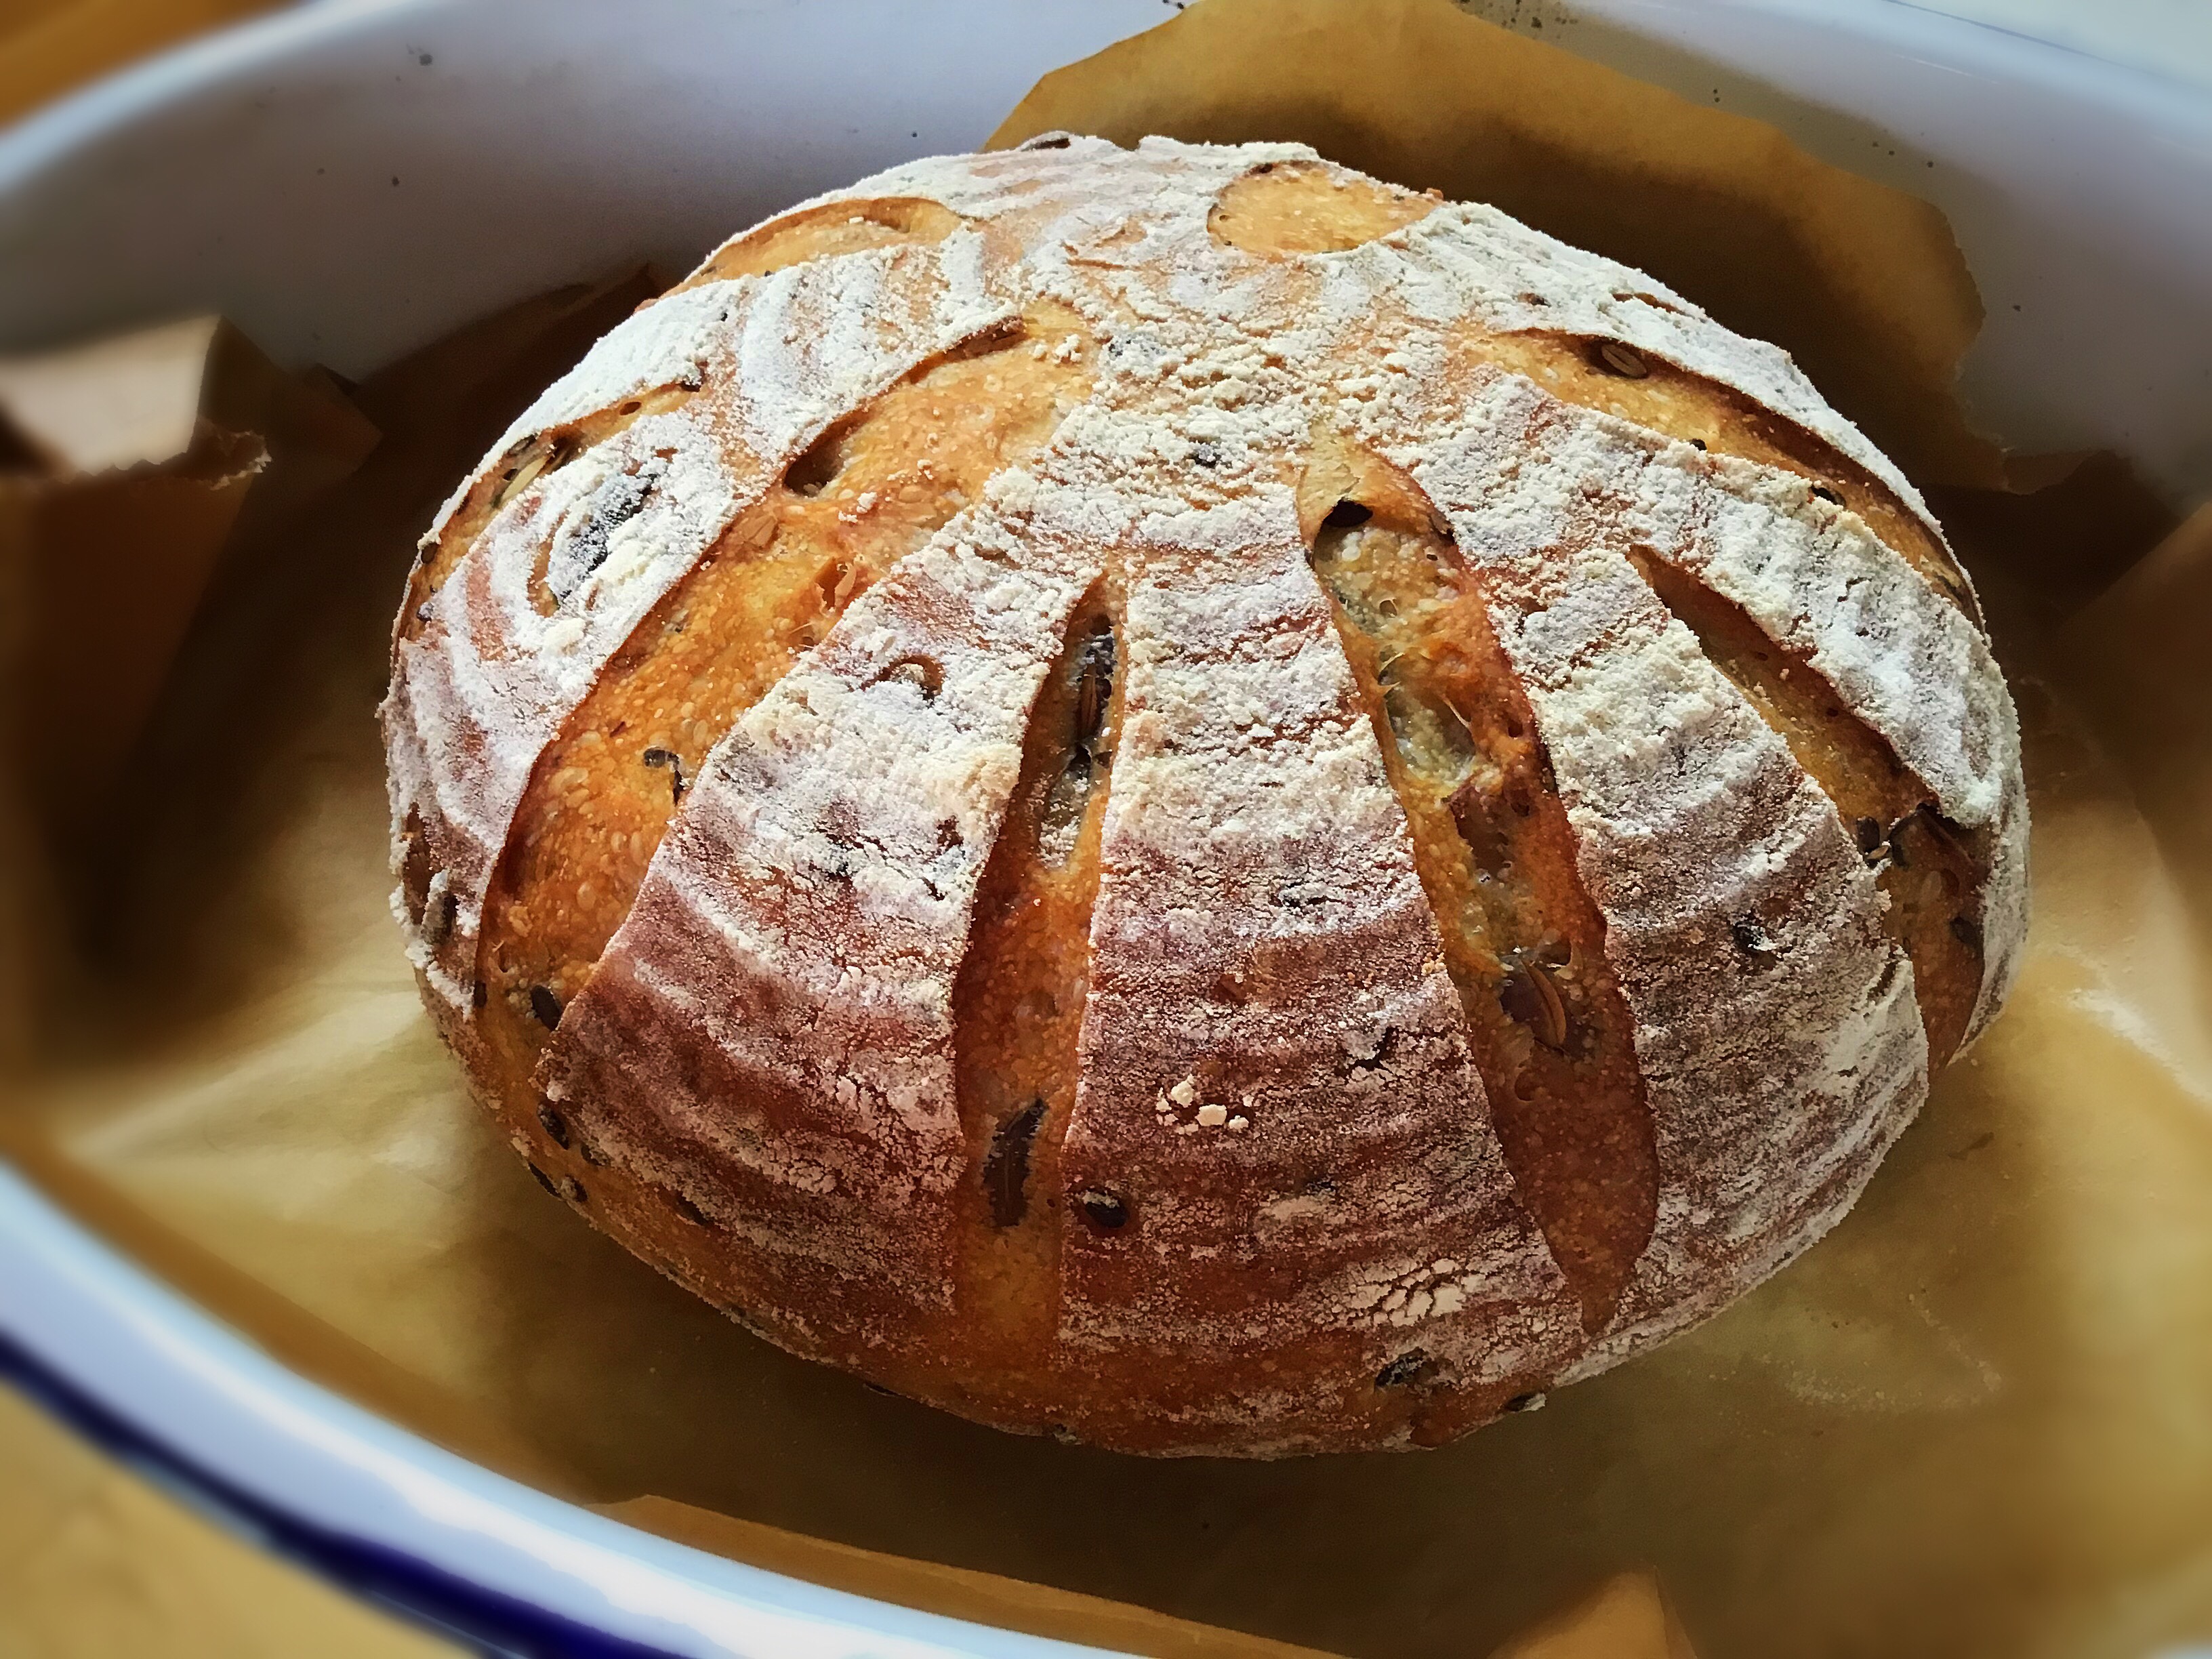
{"type": "Point", "coordinates": [1930, 870]}
{"type": "Point", "coordinates": [1176, 797]}
{"type": "Point", "coordinates": [862, 496]}
{"type": "Point", "coordinates": [1019, 1002]}
{"type": "Point", "coordinates": [821, 232]}
{"type": "Point", "coordinates": [1308, 207]}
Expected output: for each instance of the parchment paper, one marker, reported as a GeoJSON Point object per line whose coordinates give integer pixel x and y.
{"type": "Point", "coordinates": [137, 463]}
{"type": "Point", "coordinates": [1862, 285]}
{"type": "Point", "coordinates": [1977, 1420]}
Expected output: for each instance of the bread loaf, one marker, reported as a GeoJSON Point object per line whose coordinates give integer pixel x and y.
{"type": "Point", "coordinates": [1174, 797]}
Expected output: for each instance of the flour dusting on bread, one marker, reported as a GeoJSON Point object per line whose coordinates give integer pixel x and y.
{"type": "Point", "coordinates": [1283, 1215]}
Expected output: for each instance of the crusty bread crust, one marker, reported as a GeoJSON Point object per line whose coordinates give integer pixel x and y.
{"type": "Point", "coordinates": [1173, 797]}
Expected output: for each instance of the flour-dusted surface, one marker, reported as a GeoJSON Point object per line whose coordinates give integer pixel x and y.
{"type": "Point", "coordinates": [1781, 1048]}
{"type": "Point", "coordinates": [777, 1007]}
{"type": "Point", "coordinates": [523, 627]}
{"type": "Point", "coordinates": [1280, 1216]}
{"type": "Point", "coordinates": [1274, 1063]}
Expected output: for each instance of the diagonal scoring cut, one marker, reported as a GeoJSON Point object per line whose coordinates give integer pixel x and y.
{"type": "Point", "coordinates": [768, 1034]}
{"type": "Point", "coordinates": [494, 675]}
{"type": "Point", "coordinates": [1018, 1001]}
{"type": "Point", "coordinates": [1279, 1150]}
{"type": "Point", "coordinates": [1933, 871]}
{"type": "Point", "coordinates": [1628, 348]}
{"type": "Point", "coordinates": [1524, 944]}
{"type": "Point", "coordinates": [872, 489]}
{"type": "Point", "coordinates": [833, 227]}
{"type": "Point", "coordinates": [526, 461]}
{"type": "Point", "coordinates": [652, 363]}
{"type": "Point", "coordinates": [1743, 928]}
{"type": "Point", "coordinates": [1611, 378]}
{"type": "Point", "coordinates": [554, 430]}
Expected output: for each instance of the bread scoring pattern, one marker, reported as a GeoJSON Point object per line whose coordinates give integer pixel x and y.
{"type": "Point", "coordinates": [1172, 796]}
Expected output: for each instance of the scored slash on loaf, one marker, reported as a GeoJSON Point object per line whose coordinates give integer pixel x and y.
{"type": "Point", "coordinates": [1176, 798]}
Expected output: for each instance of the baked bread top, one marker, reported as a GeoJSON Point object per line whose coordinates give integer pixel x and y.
{"type": "Point", "coordinates": [1177, 796]}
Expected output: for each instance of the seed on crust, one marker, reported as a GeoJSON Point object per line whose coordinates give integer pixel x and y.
{"type": "Point", "coordinates": [922, 673]}
{"type": "Point", "coordinates": [1007, 1170]}
{"type": "Point", "coordinates": [658, 758]}
{"type": "Point", "coordinates": [1531, 997]}
{"type": "Point", "coordinates": [1094, 688]}
{"type": "Point", "coordinates": [1751, 937]}
{"type": "Point", "coordinates": [1410, 1367]}
{"type": "Point", "coordinates": [683, 1206]}
{"type": "Point", "coordinates": [1624, 361]}
{"type": "Point", "coordinates": [1103, 1210]}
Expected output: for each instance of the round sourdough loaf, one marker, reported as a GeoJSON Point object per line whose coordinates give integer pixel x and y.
{"type": "Point", "coordinates": [1177, 798]}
